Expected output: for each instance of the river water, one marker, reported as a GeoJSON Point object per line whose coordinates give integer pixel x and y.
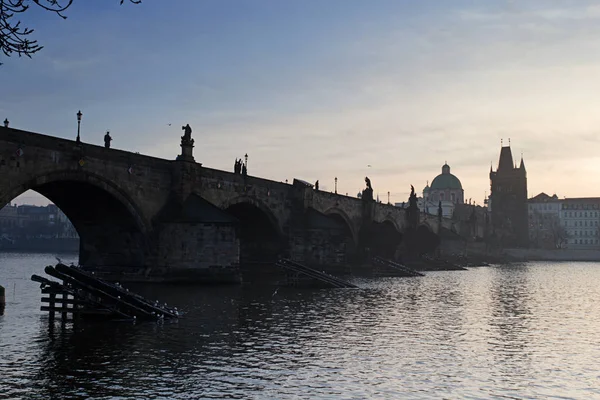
{"type": "Point", "coordinates": [518, 331]}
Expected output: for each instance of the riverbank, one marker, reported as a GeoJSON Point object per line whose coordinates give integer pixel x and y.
{"type": "Point", "coordinates": [40, 245]}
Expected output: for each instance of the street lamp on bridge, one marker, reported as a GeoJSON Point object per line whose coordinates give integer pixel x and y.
{"type": "Point", "coordinates": [336, 185]}
{"type": "Point", "coordinates": [6, 122]}
{"type": "Point", "coordinates": [79, 115]}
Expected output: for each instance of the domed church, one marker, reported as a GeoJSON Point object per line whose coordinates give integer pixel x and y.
{"type": "Point", "coordinates": [445, 188]}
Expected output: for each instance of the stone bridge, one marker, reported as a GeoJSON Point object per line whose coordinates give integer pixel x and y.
{"type": "Point", "coordinates": [179, 219]}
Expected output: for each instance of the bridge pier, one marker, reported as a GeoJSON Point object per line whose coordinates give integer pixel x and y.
{"type": "Point", "coordinates": [317, 240]}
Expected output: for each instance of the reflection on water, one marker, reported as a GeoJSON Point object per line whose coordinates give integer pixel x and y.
{"type": "Point", "coordinates": [521, 331]}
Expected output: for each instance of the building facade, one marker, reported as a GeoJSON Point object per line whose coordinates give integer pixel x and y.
{"type": "Point", "coordinates": [508, 201]}
{"type": "Point", "coordinates": [545, 227]}
{"type": "Point", "coordinates": [35, 221]}
{"type": "Point", "coordinates": [580, 218]}
{"type": "Point", "coordinates": [564, 223]}
{"type": "Point", "coordinates": [9, 218]}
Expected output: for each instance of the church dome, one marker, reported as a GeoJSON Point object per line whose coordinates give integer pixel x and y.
{"type": "Point", "coordinates": [445, 180]}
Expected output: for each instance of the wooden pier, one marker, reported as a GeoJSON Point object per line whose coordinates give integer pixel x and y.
{"type": "Point", "coordinates": [83, 295]}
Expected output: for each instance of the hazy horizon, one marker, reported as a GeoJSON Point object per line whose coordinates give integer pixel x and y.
{"type": "Point", "coordinates": [315, 90]}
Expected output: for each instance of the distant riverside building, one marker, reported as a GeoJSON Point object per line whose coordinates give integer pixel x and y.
{"type": "Point", "coordinates": [545, 228]}
{"type": "Point", "coordinates": [29, 220]}
{"type": "Point", "coordinates": [580, 217]}
{"type": "Point", "coordinates": [9, 218]}
{"type": "Point", "coordinates": [564, 223]}
{"type": "Point", "coordinates": [508, 200]}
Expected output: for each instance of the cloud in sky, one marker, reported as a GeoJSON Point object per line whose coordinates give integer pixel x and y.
{"type": "Point", "coordinates": [316, 90]}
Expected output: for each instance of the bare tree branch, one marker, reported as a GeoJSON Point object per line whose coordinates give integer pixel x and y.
{"type": "Point", "coordinates": [15, 39]}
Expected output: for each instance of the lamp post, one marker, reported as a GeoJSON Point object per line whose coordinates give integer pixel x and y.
{"type": "Point", "coordinates": [388, 197]}
{"type": "Point", "coordinates": [6, 122]}
{"type": "Point", "coordinates": [336, 185]}
{"type": "Point", "coordinates": [79, 114]}
{"type": "Point", "coordinates": [246, 160]}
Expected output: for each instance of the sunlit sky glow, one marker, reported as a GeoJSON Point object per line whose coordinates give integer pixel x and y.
{"type": "Point", "coordinates": [317, 89]}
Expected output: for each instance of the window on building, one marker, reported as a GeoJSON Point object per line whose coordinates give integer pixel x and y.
{"type": "Point", "coordinates": [453, 197]}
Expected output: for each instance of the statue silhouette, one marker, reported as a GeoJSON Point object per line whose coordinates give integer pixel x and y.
{"type": "Point", "coordinates": [107, 140]}
{"type": "Point", "coordinates": [187, 135]}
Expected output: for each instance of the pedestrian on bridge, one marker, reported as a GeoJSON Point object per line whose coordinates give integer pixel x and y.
{"type": "Point", "coordinates": [107, 140]}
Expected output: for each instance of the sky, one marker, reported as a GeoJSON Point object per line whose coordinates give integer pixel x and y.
{"type": "Point", "coordinates": [314, 89]}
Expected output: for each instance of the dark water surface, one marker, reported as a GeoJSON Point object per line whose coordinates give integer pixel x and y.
{"type": "Point", "coordinates": [521, 331]}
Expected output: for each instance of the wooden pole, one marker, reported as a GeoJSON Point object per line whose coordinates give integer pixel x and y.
{"type": "Point", "coordinates": [2, 299]}
{"type": "Point", "coordinates": [52, 305]}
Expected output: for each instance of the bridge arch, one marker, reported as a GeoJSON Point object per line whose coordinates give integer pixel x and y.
{"type": "Point", "coordinates": [393, 221]}
{"type": "Point", "coordinates": [255, 202]}
{"type": "Point", "coordinates": [424, 239]}
{"type": "Point", "coordinates": [387, 238]}
{"type": "Point", "coordinates": [427, 225]}
{"type": "Point", "coordinates": [341, 215]}
{"type": "Point", "coordinates": [113, 231]}
{"type": "Point", "coordinates": [259, 231]}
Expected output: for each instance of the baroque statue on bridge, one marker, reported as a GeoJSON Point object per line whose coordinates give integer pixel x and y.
{"type": "Point", "coordinates": [412, 212]}
{"type": "Point", "coordinates": [186, 139]}
{"type": "Point", "coordinates": [412, 199]}
{"type": "Point", "coordinates": [187, 144]}
{"type": "Point", "coordinates": [367, 194]}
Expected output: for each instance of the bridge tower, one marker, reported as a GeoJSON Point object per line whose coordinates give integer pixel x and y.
{"type": "Point", "coordinates": [509, 200]}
